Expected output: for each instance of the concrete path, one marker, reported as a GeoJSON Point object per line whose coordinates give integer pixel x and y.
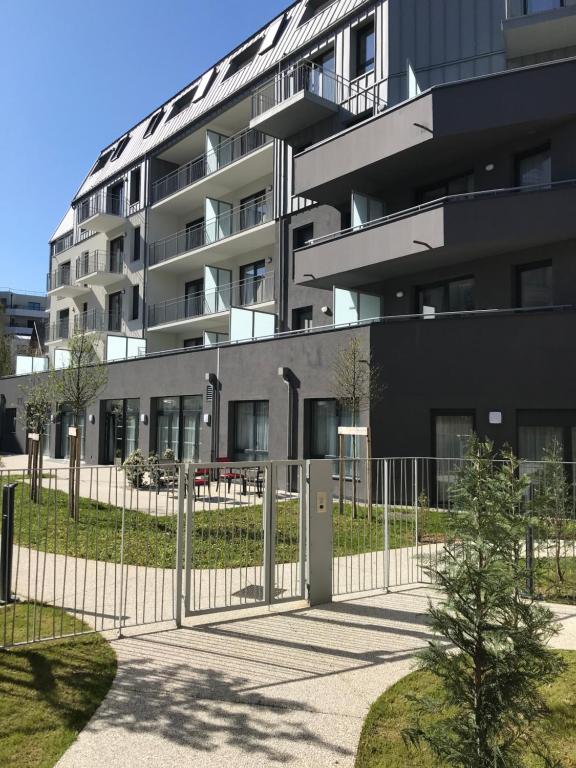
{"type": "Point", "coordinates": [259, 689]}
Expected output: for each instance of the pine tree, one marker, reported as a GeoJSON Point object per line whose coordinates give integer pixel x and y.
{"type": "Point", "coordinates": [492, 651]}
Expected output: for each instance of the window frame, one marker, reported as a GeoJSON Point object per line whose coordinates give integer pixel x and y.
{"type": "Point", "coordinates": [521, 269]}
{"type": "Point", "coordinates": [532, 152]}
{"type": "Point", "coordinates": [445, 284]}
{"type": "Point", "coordinates": [362, 68]}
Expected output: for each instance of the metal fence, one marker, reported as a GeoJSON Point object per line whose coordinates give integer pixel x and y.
{"type": "Point", "coordinates": [148, 544]}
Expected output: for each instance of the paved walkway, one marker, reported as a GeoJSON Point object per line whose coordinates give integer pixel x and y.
{"type": "Point", "coordinates": [254, 690]}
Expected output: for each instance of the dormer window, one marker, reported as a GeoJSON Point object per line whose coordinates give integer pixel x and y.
{"type": "Point", "coordinates": [182, 103]}
{"type": "Point", "coordinates": [101, 162]}
{"type": "Point", "coordinates": [243, 58]}
{"type": "Point", "coordinates": [153, 123]}
{"type": "Point", "coordinates": [120, 147]}
{"type": "Point", "coordinates": [313, 8]}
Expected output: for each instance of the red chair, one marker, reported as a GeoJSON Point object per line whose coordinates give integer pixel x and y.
{"type": "Point", "coordinates": [229, 474]}
{"type": "Point", "coordinates": [201, 480]}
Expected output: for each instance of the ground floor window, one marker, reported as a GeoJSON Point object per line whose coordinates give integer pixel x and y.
{"type": "Point", "coordinates": [121, 426]}
{"type": "Point", "coordinates": [324, 418]}
{"type": "Point", "coordinates": [451, 436]}
{"type": "Point", "coordinates": [250, 430]}
{"type": "Point", "coordinates": [539, 431]}
{"type": "Point", "coordinates": [178, 426]}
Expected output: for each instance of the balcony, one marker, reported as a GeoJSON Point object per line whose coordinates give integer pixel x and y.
{"type": "Point", "coordinates": [98, 268]}
{"type": "Point", "coordinates": [535, 26]}
{"type": "Point", "coordinates": [61, 285]}
{"type": "Point", "coordinates": [248, 154]}
{"type": "Point", "coordinates": [240, 230]}
{"type": "Point", "coordinates": [102, 212]}
{"type": "Point", "coordinates": [209, 310]}
{"type": "Point", "coordinates": [59, 331]}
{"type": "Point", "coordinates": [447, 231]}
{"type": "Point", "coordinates": [303, 96]}
{"type": "Point", "coordinates": [97, 321]}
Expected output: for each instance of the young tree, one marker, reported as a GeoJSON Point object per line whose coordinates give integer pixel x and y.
{"type": "Point", "coordinates": [551, 503]}
{"type": "Point", "coordinates": [78, 385]}
{"type": "Point", "coordinates": [38, 400]}
{"type": "Point", "coordinates": [493, 654]}
{"type": "Point", "coordinates": [355, 384]}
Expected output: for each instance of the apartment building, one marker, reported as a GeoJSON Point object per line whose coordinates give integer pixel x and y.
{"type": "Point", "coordinates": [23, 316]}
{"type": "Point", "coordinates": [395, 170]}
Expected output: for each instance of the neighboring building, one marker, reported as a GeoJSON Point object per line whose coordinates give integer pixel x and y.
{"type": "Point", "coordinates": [23, 315]}
{"type": "Point", "coordinates": [402, 168]}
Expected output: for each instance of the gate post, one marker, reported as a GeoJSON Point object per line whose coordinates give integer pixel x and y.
{"type": "Point", "coordinates": [179, 544]}
{"type": "Point", "coordinates": [386, 528]}
{"type": "Point", "coordinates": [319, 535]}
{"type": "Point", "coordinates": [7, 544]}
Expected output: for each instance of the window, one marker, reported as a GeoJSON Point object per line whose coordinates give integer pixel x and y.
{"type": "Point", "coordinates": [178, 426]}
{"type": "Point", "coordinates": [154, 122]}
{"type": "Point", "coordinates": [182, 103]}
{"type": "Point", "coordinates": [451, 435]}
{"type": "Point", "coordinates": [121, 428]}
{"type": "Point", "coordinates": [115, 311]}
{"type": "Point", "coordinates": [324, 418]}
{"type": "Point", "coordinates": [365, 39]}
{"type": "Point", "coordinates": [101, 162]}
{"type": "Point", "coordinates": [534, 168]}
{"type": "Point", "coordinates": [537, 6]}
{"type": "Point", "coordinates": [64, 242]}
{"type": "Point", "coordinates": [136, 245]}
{"type": "Point", "coordinates": [539, 431]}
{"type": "Point", "coordinates": [63, 326]}
{"type": "Point", "coordinates": [35, 306]}
{"type": "Point", "coordinates": [115, 199]}
{"type": "Point", "coordinates": [302, 235]}
{"type": "Point", "coordinates": [313, 8]}
{"type": "Point", "coordinates": [534, 285]}
{"type": "Point", "coordinates": [135, 178]}
{"type": "Point", "coordinates": [116, 254]}
{"type": "Point", "coordinates": [250, 430]}
{"type": "Point", "coordinates": [10, 418]}
{"type": "Point", "coordinates": [448, 296]}
{"type": "Point", "coordinates": [252, 283]}
{"type": "Point", "coordinates": [120, 147]}
{"type": "Point", "coordinates": [457, 185]}
{"type": "Point", "coordinates": [301, 318]}
{"type": "Point", "coordinates": [243, 58]}
{"type": "Point", "coordinates": [135, 302]}
{"type": "Point", "coordinates": [190, 343]}
{"type": "Point", "coordinates": [253, 210]}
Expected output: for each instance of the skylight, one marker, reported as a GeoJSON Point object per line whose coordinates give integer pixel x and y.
{"type": "Point", "coordinates": [182, 103]}
{"type": "Point", "coordinates": [153, 123]}
{"type": "Point", "coordinates": [101, 162]}
{"type": "Point", "coordinates": [243, 58]}
{"type": "Point", "coordinates": [313, 8]}
{"type": "Point", "coordinates": [120, 147]}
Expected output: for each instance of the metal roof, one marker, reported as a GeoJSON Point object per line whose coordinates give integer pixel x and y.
{"type": "Point", "coordinates": [213, 87]}
{"type": "Point", "coordinates": [66, 225]}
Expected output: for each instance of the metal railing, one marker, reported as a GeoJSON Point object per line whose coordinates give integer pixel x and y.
{"type": "Point", "coordinates": [98, 261]}
{"type": "Point", "coordinates": [238, 219]}
{"type": "Point", "coordinates": [254, 290]}
{"type": "Point", "coordinates": [229, 151]}
{"type": "Point", "coordinates": [314, 79]}
{"type": "Point", "coordinates": [440, 202]}
{"type": "Point", "coordinates": [101, 202]}
{"type": "Point", "coordinates": [59, 278]}
{"type": "Point", "coordinates": [59, 330]}
{"type": "Point", "coordinates": [97, 321]}
{"type": "Point", "coordinates": [517, 8]}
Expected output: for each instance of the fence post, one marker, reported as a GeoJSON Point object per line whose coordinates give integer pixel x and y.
{"type": "Point", "coordinates": [179, 544]}
{"type": "Point", "coordinates": [7, 543]}
{"type": "Point", "coordinates": [530, 560]}
{"type": "Point", "coordinates": [319, 534]}
{"type": "Point", "coordinates": [386, 528]}
{"type": "Point", "coordinates": [268, 498]}
{"type": "Point", "coordinates": [188, 550]}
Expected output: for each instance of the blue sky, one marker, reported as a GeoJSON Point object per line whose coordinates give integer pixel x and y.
{"type": "Point", "coordinates": [74, 75]}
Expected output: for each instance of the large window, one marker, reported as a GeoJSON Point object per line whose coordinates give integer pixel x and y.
{"type": "Point", "coordinates": [121, 425]}
{"type": "Point", "coordinates": [302, 318]}
{"type": "Point", "coordinates": [250, 430]}
{"type": "Point", "coordinates": [115, 311]}
{"type": "Point", "coordinates": [534, 285]}
{"type": "Point", "coordinates": [457, 185]}
{"type": "Point", "coordinates": [365, 40]}
{"type": "Point", "coordinates": [538, 431]}
{"type": "Point", "coordinates": [252, 285]}
{"type": "Point", "coordinates": [67, 421]}
{"type": "Point", "coordinates": [253, 210]}
{"type": "Point", "coordinates": [178, 426]}
{"type": "Point", "coordinates": [448, 296]}
{"type": "Point", "coordinates": [534, 168]}
{"type": "Point", "coordinates": [324, 418]}
{"type": "Point", "coordinates": [538, 6]}
{"type": "Point", "coordinates": [451, 436]}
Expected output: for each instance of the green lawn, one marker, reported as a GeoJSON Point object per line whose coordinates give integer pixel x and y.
{"type": "Point", "coordinates": [381, 744]}
{"type": "Point", "coordinates": [48, 692]}
{"type": "Point", "coordinates": [548, 586]}
{"type": "Point", "coordinates": [227, 536]}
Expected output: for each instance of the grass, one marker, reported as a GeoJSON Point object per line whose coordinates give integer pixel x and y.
{"type": "Point", "coordinates": [382, 746]}
{"type": "Point", "coordinates": [548, 586]}
{"type": "Point", "coordinates": [48, 692]}
{"type": "Point", "coordinates": [229, 536]}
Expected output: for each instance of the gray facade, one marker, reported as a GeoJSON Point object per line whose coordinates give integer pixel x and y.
{"type": "Point", "coordinates": [398, 170]}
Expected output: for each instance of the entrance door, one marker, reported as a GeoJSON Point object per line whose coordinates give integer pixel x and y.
{"type": "Point", "coordinates": [194, 298]}
{"type": "Point", "coordinates": [116, 254]}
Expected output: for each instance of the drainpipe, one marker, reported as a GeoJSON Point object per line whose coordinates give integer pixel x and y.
{"type": "Point", "coordinates": [286, 375]}
{"type": "Point", "coordinates": [212, 379]}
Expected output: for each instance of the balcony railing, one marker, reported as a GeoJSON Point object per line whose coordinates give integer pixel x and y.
{"type": "Point", "coordinates": [59, 330]}
{"type": "Point", "coordinates": [254, 290]}
{"type": "Point", "coordinates": [441, 201]}
{"type": "Point", "coordinates": [310, 77]}
{"type": "Point", "coordinates": [102, 202]}
{"type": "Point", "coordinates": [228, 152]}
{"type": "Point", "coordinates": [516, 8]}
{"type": "Point", "coordinates": [97, 321]}
{"type": "Point", "coordinates": [98, 261]}
{"type": "Point", "coordinates": [243, 217]}
{"type": "Point", "coordinates": [59, 278]}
